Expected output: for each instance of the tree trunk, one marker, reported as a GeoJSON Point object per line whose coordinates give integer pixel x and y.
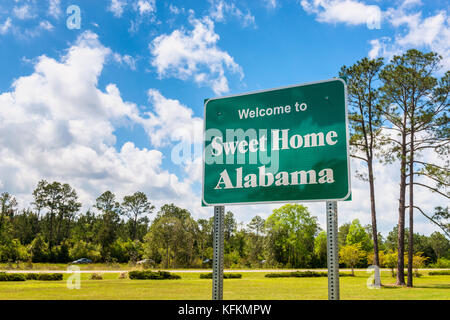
{"type": "Point", "coordinates": [401, 217]}
{"type": "Point", "coordinates": [50, 240]}
{"type": "Point", "coordinates": [58, 227]}
{"type": "Point", "coordinates": [411, 211]}
{"type": "Point", "coordinates": [135, 227]}
{"type": "Point", "coordinates": [167, 257]}
{"type": "Point", "coordinates": [376, 259]}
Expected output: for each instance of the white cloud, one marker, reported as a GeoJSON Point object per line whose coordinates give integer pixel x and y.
{"type": "Point", "coordinates": [420, 31]}
{"type": "Point", "coordinates": [415, 31]}
{"type": "Point", "coordinates": [175, 10]}
{"type": "Point", "coordinates": [145, 6]}
{"type": "Point", "coordinates": [31, 32]}
{"type": "Point", "coordinates": [382, 48]}
{"type": "Point", "coordinates": [272, 4]}
{"type": "Point", "coordinates": [5, 26]}
{"type": "Point", "coordinates": [194, 55]}
{"type": "Point", "coordinates": [54, 8]}
{"type": "Point", "coordinates": [45, 25]}
{"type": "Point", "coordinates": [117, 7]}
{"type": "Point", "coordinates": [412, 29]}
{"type": "Point", "coordinates": [171, 121]}
{"type": "Point", "coordinates": [376, 48]}
{"type": "Point", "coordinates": [23, 12]}
{"type": "Point", "coordinates": [146, 10]}
{"type": "Point", "coordinates": [350, 12]}
{"type": "Point", "coordinates": [56, 124]}
{"type": "Point", "coordinates": [221, 10]}
{"type": "Point", "coordinates": [126, 60]}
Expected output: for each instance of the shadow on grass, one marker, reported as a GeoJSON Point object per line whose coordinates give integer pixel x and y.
{"type": "Point", "coordinates": [390, 286]}
{"type": "Point", "coordinates": [430, 286]}
{"type": "Point", "coordinates": [434, 286]}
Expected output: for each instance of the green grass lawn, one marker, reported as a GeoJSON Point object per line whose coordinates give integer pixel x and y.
{"type": "Point", "coordinates": [251, 286]}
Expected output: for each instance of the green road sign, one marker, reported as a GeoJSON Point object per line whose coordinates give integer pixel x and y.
{"type": "Point", "coordinates": [281, 145]}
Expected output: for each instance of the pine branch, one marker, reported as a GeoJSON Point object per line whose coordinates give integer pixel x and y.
{"type": "Point", "coordinates": [358, 157]}
{"type": "Point", "coordinates": [428, 176]}
{"type": "Point", "coordinates": [432, 189]}
{"type": "Point", "coordinates": [429, 164]}
{"type": "Point", "coordinates": [443, 228]}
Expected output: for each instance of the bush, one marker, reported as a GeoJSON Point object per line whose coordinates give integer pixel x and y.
{"type": "Point", "coordinates": [439, 273]}
{"type": "Point", "coordinates": [31, 276]}
{"type": "Point", "coordinates": [123, 275]}
{"type": "Point", "coordinates": [13, 251]}
{"type": "Point", "coordinates": [50, 276]}
{"type": "Point", "coordinates": [302, 274]}
{"type": "Point", "coordinates": [231, 276]}
{"type": "Point", "coordinates": [44, 276]}
{"type": "Point", "coordinates": [39, 249]}
{"type": "Point", "coordinates": [60, 253]}
{"type": "Point", "coordinates": [225, 275]}
{"type": "Point", "coordinates": [12, 277]}
{"type": "Point", "coordinates": [296, 274]}
{"type": "Point", "coordinates": [441, 263]}
{"type": "Point", "coordinates": [150, 275]}
{"type": "Point", "coordinates": [96, 276]}
{"type": "Point", "coordinates": [38, 276]}
{"type": "Point", "coordinates": [82, 249]}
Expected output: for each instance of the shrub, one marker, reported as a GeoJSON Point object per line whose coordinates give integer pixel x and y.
{"type": "Point", "coordinates": [439, 273]}
{"type": "Point", "coordinates": [82, 249]}
{"type": "Point", "coordinates": [96, 276]}
{"type": "Point", "coordinates": [13, 251]}
{"type": "Point", "coordinates": [296, 274]}
{"type": "Point", "coordinates": [150, 275]}
{"type": "Point", "coordinates": [123, 275]}
{"type": "Point", "coordinates": [441, 263]}
{"type": "Point", "coordinates": [303, 274]}
{"type": "Point", "coordinates": [50, 276]}
{"type": "Point", "coordinates": [60, 253]}
{"type": "Point", "coordinates": [31, 276]}
{"type": "Point", "coordinates": [225, 275]}
{"type": "Point", "coordinates": [231, 275]}
{"type": "Point", "coordinates": [12, 277]}
{"type": "Point", "coordinates": [16, 277]}
{"type": "Point", "coordinates": [39, 249]}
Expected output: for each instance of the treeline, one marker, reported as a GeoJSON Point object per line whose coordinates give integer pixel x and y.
{"type": "Point", "coordinates": [54, 230]}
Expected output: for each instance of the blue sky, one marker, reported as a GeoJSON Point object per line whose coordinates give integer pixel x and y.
{"type": "Point", "coordinates": [103, 106]}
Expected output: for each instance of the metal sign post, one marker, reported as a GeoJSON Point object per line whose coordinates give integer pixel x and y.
{"type": "Point", "coordinates": [217, 277]}
{"type": "Point", "coordinates": [332, 251]}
